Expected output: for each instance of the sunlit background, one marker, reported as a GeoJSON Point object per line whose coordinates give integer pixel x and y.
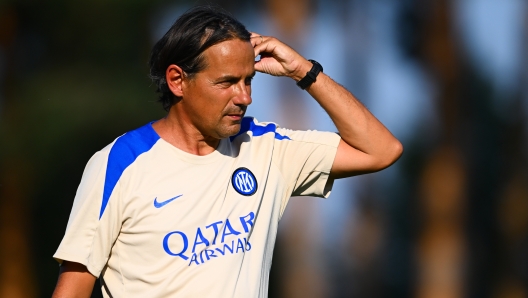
{"type": "Point", "coordinates": [448, 78]}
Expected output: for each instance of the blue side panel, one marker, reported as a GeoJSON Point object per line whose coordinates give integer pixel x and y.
{"type": "Point", "coordinates": [124, 152]}
{"type": "Point", "coordinates": [248, 125]}
{"type": "Point", "coordinates": [281, 137]}
{"type": "Point", "coordinates": [244, 127]}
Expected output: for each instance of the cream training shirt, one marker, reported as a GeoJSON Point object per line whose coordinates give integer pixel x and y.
{"type": "Point", "coordinates": [154, 221]}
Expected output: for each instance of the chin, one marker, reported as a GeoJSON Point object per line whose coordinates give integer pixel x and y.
{"type": "Point", "coordinates": [231, 130]}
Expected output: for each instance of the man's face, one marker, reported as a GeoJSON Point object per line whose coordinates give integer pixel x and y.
{"type": "Point", "coordinates": [215, 99]}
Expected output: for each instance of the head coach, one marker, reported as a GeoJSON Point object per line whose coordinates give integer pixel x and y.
{"type": "Point", "coordinates": [188, 206]}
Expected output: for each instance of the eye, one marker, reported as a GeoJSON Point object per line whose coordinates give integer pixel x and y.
{"type": "Point", "coordinates": [226, 83]}
{"type": "Point", "coordinates": [248, 80]}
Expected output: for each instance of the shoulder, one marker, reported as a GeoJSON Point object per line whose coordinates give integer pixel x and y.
{"type": "Point", "coordinates": [135, 142]}
{"type": "Point", "coordinates": [124, 150]}
{"type": "Point", "coordinates": [251, 127]}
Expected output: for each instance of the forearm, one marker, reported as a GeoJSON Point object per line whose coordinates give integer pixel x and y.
{"type": "Point", "coordinates": [356, 125]}
{"type": "Point", "coordinates": [74, 281]}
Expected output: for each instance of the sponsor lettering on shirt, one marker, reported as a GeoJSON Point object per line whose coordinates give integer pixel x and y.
{"type": "Point", "coordinates": [225, 238]}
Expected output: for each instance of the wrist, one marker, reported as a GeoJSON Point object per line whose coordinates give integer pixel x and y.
{"type": "Point", "coordinates": [311, 76]}
{"type": "Point", "coordinates": [301, 71]}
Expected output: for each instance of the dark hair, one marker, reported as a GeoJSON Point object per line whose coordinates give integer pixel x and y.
{"type": "Point", "coordinates": [187, 39]}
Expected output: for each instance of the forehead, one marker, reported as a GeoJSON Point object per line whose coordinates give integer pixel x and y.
{"type": "Point", "coordinates": [233, 56]}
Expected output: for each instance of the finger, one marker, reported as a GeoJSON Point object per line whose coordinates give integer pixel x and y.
{"type": "Point", "coordinates": [256, 39]}
{"type": "Point", "coordinates": [259, 66]}
{"type": "Point", "coordinates": [263, 45]}
{"type": "Point", "coordinates": [266, 63]}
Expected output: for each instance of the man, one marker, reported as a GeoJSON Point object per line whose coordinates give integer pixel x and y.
{"type": "Point", "coordinates": [188, 205]}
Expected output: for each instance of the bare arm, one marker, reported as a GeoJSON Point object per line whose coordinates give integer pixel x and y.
{"type": "Point", "coordinates": [74, 281]}
{"type": "Point", "coordinates": [366, 145]}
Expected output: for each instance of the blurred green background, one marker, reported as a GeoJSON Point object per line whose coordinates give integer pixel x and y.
{"type": "Point", "coordinates": [451, 218]}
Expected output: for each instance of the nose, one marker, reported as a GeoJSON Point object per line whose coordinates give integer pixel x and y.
{"type": "Point", "coordinates": [243, 95]}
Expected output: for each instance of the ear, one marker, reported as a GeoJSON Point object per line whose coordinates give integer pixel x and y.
{"type": "Point", "coordinates": [174, 76]}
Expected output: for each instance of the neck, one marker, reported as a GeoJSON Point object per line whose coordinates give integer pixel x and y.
{"type": "Point", "coordinates": [184, 136]}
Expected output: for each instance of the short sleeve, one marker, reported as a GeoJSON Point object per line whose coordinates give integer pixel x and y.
{"type": "Point", "coordinates": [305, 159]}
{"type": "Point", "coordinates": [90, 234]}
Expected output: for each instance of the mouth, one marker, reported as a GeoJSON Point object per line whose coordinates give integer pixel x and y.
{"type": "Point", "coordinates": [235, 117]}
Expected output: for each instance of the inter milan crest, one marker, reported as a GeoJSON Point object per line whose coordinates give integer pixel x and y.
{"type": "Point", "coordinates": [244, 182]}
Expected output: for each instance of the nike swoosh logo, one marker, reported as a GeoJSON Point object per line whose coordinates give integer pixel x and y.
{"type": "Point", "coordinates": [161, 204]}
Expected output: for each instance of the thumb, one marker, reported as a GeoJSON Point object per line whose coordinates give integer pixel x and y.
{"type": "Point", "coordinates": [269, 65]}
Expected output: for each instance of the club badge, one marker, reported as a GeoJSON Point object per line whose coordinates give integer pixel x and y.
{"type": "Point", "coordinates": [244, 182]}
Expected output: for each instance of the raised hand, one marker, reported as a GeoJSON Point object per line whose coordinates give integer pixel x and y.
{"type": "Point", "coordinates": [278, 59]}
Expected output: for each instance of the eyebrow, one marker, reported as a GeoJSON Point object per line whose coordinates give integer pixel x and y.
{"type": "Point", "coordinates": [230, 77]}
